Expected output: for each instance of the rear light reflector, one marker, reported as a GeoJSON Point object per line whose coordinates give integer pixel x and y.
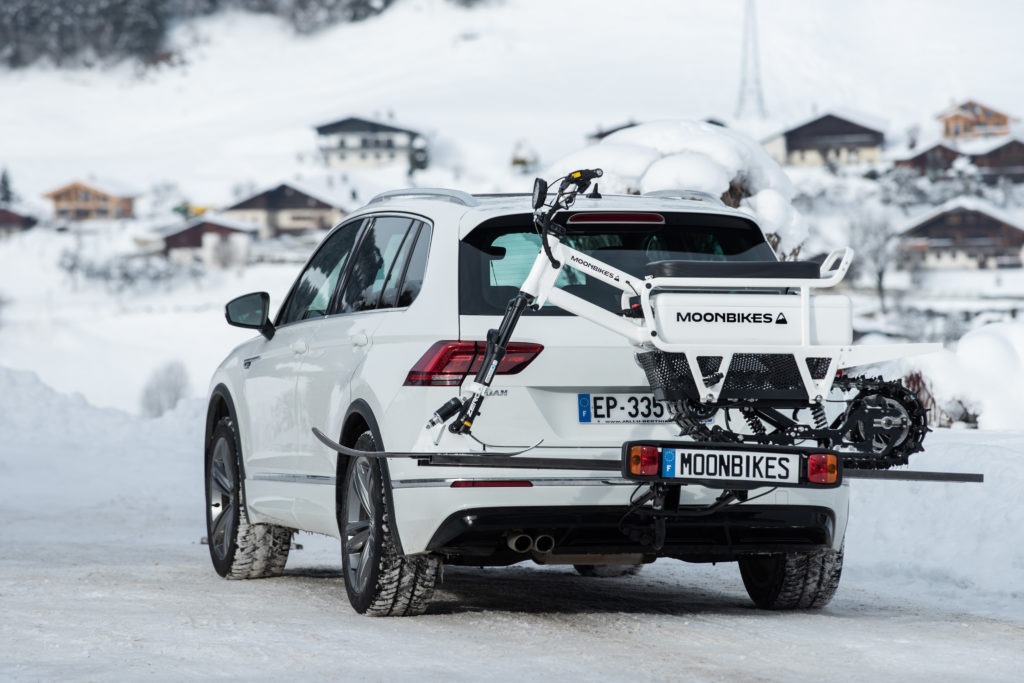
{"type": "Point", "coordinates": [448, 362]}
{"type": "Point", "coordinates": [491, 483]}
{"type": "Point", "coordinates": [822, 468]}
{"type": "Point", "coordinates": [644, 461]}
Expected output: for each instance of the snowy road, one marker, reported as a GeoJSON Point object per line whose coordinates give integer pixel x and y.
{"type": "Point", "coordinates": [103, 577]}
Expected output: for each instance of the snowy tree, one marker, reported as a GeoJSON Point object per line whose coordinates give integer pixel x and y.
{"type": "Point", "coordinates": [871, 235]}
{"type": "Point", "coordinates": [164, 389]}
{"type": "Point", "coordinates": [6, 193]}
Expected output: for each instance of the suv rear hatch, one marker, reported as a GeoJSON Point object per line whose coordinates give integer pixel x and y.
{"type": "Point", "coordinates": [584, 388]}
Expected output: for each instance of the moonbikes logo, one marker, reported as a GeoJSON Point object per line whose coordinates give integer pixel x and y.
{"type": "Point", "coordinates": [597, 269]}
{"type": "Point", "coordinates": [731, 317]}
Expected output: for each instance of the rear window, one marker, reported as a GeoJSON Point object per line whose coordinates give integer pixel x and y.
{"type": "Point", "coordinates": [496, 257]}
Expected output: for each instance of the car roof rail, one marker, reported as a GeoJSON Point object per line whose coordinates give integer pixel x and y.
{"type": "Point", "coordinates": [442, 193]}
{"type": "Point", "coordinates": [688, 195]}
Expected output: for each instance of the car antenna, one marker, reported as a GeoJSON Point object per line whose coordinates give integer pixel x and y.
{"type": "Point", "coordinates": [595, 193]}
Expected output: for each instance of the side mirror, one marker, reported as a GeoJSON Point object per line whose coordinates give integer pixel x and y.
{"type": "Point", "coordinates": [540, 192]}
{"type": "Point", "coordinates": [251, 311]}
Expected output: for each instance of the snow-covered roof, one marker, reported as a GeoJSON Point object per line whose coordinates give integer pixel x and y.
{"type": "Point", "coordinates": [356, 124]}
{"type": "Point", "coordinates": [110, 186]}
{"type": "Point", "coordinates": [966, 204]}
{"type": "Point", "coordinates": [212, 218]}
{"type": "Point", "coordinates": [963, 108]}
{"type": "Point", "coordinates": [855, 117]}
{"type": "Point", "coordinates": [333, 189]}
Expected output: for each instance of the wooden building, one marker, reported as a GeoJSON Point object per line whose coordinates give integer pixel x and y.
{"type": "Point", "coordinates": [91, 200]}
{"type": "Point", "coordinates": [963, 234]}
{"type": "Point", "coordinates": [11, 222]}
{"type": "Point", "coordinates": [289, 208]}
{"type": "Point", "coordinates": [216, 241]}
{"type": "Point", "coordinates": [826, 139]}
{"type": "Point", "coordinates": [995, 158]}
{"type": "Point", "coordinates": [971, 119]}
{"type": "Point", "coordinates": [932, 161]}
{"type": "Point", "coordinates": [355, 142]}
{"type": "Point", "coordinates": [1003, 161]}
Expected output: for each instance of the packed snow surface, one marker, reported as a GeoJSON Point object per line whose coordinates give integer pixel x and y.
{"type": "Point", "coordinates": [103, 577]}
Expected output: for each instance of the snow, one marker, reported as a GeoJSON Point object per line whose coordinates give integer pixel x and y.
{"type": "Point", "coordinates": [103, 577]}
{"type": "Point", "coordinates": [102, 573]}
{"type": "Point", "coordinates": [694, 155]}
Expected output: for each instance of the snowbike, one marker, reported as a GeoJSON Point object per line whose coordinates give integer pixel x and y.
{"type": "Point", "coordinates": [774, 404]}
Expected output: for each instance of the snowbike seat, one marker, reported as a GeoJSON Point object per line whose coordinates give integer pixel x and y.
{"type": "Point", "coordinates": [788, 270]}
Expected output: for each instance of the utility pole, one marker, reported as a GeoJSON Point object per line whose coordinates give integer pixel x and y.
{"type": "Point", "coordinates": [750, 73]}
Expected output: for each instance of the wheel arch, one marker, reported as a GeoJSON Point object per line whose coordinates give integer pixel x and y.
{"type": "Point", "coordinates": [358, 419]}
{"type": "Point", "coordinates": [221, 406]}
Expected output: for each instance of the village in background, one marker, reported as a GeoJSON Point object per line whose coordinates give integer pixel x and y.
{"type": "Point", "coordinates": [934, 210]}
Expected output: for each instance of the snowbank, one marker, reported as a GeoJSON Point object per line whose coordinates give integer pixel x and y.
{"type": "Point", "coordinates": [985, 372]}
{"type": "Point", "coordinates": [694, 155]}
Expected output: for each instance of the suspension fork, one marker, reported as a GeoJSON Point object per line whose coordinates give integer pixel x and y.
{"type": "Point", "coordinates": [497, 344]}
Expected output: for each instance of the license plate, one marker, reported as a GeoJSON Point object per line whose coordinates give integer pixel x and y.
{"type": "Point", "coordinates": [621, 409]}
{"type": "Point", "coordinates": [709, 464]}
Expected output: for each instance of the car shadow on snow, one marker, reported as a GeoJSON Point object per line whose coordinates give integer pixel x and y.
{"type": "Point", "coordinates": [562, 590]}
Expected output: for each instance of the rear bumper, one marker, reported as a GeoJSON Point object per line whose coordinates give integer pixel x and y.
{"type": "Point", "coordinates": [478, 536]}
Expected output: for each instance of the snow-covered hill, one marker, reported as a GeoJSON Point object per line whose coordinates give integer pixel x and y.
{"type": "Point", "coordinates": [480, 80]}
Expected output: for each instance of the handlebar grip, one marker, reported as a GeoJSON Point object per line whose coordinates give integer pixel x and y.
{"type": "Point", "coordinates": [581, 178]}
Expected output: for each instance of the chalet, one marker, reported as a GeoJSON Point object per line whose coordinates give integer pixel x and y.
{"type": "Point", "coordinates": [12, 221]}
{"type": "Point", "coordinates": [825, 140]}
{"type": "Point", "coordinates": [361, 143]}
{"type": "Point", "coordinates": [90, 200]}
{"type": "Point", "coordinates": [1003, 160]}
{"type": "Point", "coordinates": [290, 208]}
{"type": "Point", "coordinates": [994, 157]}
{"type": "Point", "coordinates": [932, 161]}
{"type": "Point", "coordinates": [970, 119]}
{"type": "Point", "coordinates": [965, 233]}
{"type": "Point", "coordinates": [215, 241]}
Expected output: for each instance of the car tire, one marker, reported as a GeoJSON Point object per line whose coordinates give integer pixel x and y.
{"type": "Point", "coordinates": [378, 579]}
{"type": "Point", "coordinates": [792, 580]}
{"type": "Point", "coordinates": [238, 548]}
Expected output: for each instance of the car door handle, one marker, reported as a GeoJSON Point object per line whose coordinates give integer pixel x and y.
{"type": "Point", "coordinates": [299, 347]}
{"type": "Point", "coordinates": [359, 339]}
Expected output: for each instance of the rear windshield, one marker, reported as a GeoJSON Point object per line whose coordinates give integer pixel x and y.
{"type": "Point", "coordinates": [496, 257]}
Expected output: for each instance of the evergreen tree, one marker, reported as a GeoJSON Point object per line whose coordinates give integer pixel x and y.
{"type": "Point", "coordinates": [6, 194]}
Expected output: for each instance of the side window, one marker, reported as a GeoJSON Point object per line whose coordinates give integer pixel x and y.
{"type": "Point", "coordinates": [378, 262]}
{"type": "Point", "coordinates": [412, 282]}
{"type": "Point", "coordinates": [311, 296]}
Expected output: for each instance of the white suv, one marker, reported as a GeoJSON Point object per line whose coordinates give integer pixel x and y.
{"type": "Point", "coordinates": [389, 319]}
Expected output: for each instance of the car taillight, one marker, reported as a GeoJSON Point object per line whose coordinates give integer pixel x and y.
{"type": "Point", "coordinates": [447, 362]}
{"type": "Point", "coordinates": [644, 461]}
{"type": "Point", "coordinates": [822, 468]}
{"type": "Point", "coordinates": [491, 483]}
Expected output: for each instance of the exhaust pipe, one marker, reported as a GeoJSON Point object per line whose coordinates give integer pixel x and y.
{"type": "Point", "coordinates": [543, 544]}
{"type": "Point", "coordinates": [520, 542]}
